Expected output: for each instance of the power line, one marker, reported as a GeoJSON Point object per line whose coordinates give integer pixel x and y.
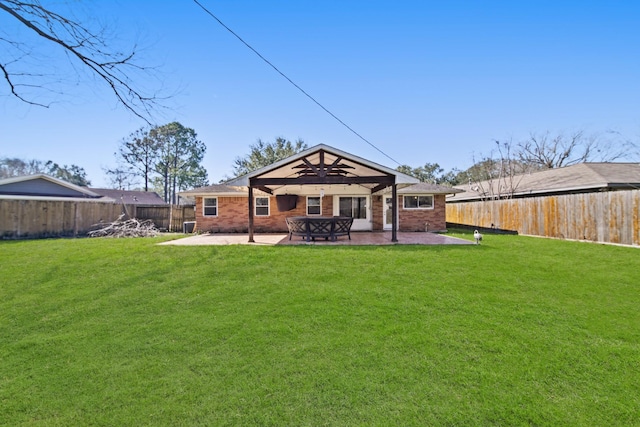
{"type": "Point", "coordinates": [293, 83]}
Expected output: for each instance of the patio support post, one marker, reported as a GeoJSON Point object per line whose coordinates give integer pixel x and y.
{"type": "Point", "coordinates": [394, 213]}
{"type": "Point", "coordinates": [251, 214]}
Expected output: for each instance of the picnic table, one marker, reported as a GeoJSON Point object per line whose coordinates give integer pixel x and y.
{"type": "Point", "coordinates": [310, 227]}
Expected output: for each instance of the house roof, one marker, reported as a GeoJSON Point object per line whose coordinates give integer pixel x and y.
{"type": "Point", "coordinates": [131, 197]}
{"type": "Point", "coordinates": [427, 188]}
{"type": "Point", "coordinates": [221, 190]}
{"type": "Point", "coordinates": [337, 164]}
{"type": "Point", "coordinates": [579, 178]}
{"type": "Point", "coordinates": [41, 185]}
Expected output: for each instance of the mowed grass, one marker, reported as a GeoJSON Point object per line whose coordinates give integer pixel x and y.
{"type": "Point", "coordinates": [516, 331]}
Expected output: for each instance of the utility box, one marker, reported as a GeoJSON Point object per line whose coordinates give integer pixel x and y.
{"type": "Point", "coordinates": [188, 226]}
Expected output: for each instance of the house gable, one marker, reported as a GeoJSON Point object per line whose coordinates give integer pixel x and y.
{"type": "Point", "coordinates": [43, 186]}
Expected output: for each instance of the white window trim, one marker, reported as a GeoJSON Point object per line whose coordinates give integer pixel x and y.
{"type": "Point", "coordinates": [433, 202]}
{"type": "Point", "coordinates": [255, 205]}
{"type": "Point", "coordinates": [307, 207]}
{"type": "Point", "coordinates": [205, 206]}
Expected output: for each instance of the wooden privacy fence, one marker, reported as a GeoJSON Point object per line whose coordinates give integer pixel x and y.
{"type": "Point", "coordinates": [166, 217]}
{"type": "Point", "coordinates": [29, 219]}
{"type": "Point", "coordinates": [607, 217]}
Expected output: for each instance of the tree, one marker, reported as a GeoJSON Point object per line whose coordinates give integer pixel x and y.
{"type": "Point", "coordinates": [30, 74]}
{"type": "Point", "coordinates": [431, 173]}
{"type": "Point", "coordinates": [178, 165]}
{"type": "Point", "coordinates": [168, 156]}
{"type": "Point", "coordinates": [121, 177]}
{"type": "Point", "coordinates": [73, 174]}
{"type": "Point", "coordinates": [140, 153]}
{"type": "Point", "coordinates": [498, 175]}
{"type": "Point", "coordinates": [549, 151]}
{"type": "Point", "coordinates": [263, 154]}
{"type": "Point", "coordinates": [11, 167]}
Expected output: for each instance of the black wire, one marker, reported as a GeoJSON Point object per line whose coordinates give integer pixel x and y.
{"type": "Point", "coordinates": [292, 82]}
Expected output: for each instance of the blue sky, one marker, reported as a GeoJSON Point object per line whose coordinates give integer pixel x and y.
{"type": "Point", "coordinates": [424, 81]}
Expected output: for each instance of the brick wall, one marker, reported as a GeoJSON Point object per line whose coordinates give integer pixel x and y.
{"type": "Point", "coordinates": [376, 211]}
{"type": "Point", "coordinates": [233, 215]}
{"type": "Point", "coordinates": [415, 219]}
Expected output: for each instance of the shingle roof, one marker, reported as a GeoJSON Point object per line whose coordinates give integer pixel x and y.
{"type": "Point", "coordinates": [219, 190]}
{"type": "Point", "coordinates": [134, 197]}
{"type": "Point", "coordinates": [426, 188]}
{"type": "Point", "coordinates": [41, 185]}
{"type": "Point", "coordinates": [583, 177]}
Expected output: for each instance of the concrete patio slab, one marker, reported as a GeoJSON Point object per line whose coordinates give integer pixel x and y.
{"type": "Point", "coordinates": [357, 239]}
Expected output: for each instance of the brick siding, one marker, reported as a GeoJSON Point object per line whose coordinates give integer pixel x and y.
{"type": "Point", "coordinates": [413, 219]}
{"type": "Point", "coordinates": [233, 217]}
{"type": "Point", "coordinates": [417, 219]}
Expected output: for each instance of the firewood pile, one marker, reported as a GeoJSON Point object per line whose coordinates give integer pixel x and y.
{"type": "Point", "coordinates": [125, 228]}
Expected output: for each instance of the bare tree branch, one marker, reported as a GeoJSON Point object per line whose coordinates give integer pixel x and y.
{"type": "Point", "coordinates": [82, 46]}
{"type": "Point", "coordinates": [555, 151]}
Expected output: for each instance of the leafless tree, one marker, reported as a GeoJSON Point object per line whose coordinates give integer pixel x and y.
{"type": "Point", "coordinates": [555, 151]}
{"type": "Point", "coordinates": [121, 177]}
{"type": "Point", "coordinates": [498, 175]}
{"type": "Point", "coordinates": [31, 77]}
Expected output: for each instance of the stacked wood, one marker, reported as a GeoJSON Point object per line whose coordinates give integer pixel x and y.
{"type": "Point", "coordinates": [125, 228]}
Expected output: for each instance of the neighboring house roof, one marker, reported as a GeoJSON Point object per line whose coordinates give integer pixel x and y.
{"type": "Point", "coordinates": [352, 166]}
{"type": "Point", "coordinates": [131, 197]}
{"type": "Point", "coordinates": [44, 186]}
{"type": "Point", "coordinates": [579, 178]}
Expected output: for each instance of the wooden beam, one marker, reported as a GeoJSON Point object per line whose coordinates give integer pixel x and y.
{"type": "Point", "coordinates": [251, 215]}
{"type": "Point", "coordinates": [378, 188]}
{"type": "Point", "coordinates": [321, 169]}
{"type": "Point", "coordinates": [310, 165]}
{"type": "Point", "coordinates": [265, 189]}
{"type": "Point", "coordinates": [334, 164]}
{"type": "Point", "coordinates": [394, 211]}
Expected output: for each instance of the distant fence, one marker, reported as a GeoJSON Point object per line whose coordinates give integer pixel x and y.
{"type": "Point", "coordinates": [607, 217]}
{"type": "Point", "coordinates": [165, 217]}
{"type": "Point", "coordinates": [32, 219]}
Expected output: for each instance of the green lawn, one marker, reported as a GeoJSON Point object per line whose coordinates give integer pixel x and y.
{"type": "Point", "coordinates": [516, 331]}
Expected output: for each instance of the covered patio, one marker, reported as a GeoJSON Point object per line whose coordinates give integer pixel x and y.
{"type": "Point", "coordinates": [323, 166]}
{"type": "Point", "coordinates": [365, 238]}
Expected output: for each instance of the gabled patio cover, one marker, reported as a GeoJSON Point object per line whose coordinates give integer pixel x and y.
{"type": "Point", "coordinates": [323, 164]}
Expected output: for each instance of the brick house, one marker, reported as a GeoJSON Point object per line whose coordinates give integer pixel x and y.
{"type": "Point", "coordinates": [321, 181]}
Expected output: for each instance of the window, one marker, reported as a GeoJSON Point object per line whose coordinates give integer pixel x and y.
{"type": "Point", "coordinates": [210, 206]}
{"type": "Point", "coordinates": [354, 207]}
{"type": "Point", "coordinates": [313, 206]}
{"type": "Point", "coordinates": [262, 206]}
{"type": "Point", "coordinates": [418, 202]}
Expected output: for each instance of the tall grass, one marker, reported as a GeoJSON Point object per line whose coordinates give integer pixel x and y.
{"type": "Point", "coordinates": [517, 331]}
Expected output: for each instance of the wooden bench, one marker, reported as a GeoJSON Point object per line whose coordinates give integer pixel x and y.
{"type": "Point", "coordinates": [310, 227]}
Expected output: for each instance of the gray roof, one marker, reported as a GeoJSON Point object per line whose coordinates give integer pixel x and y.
{"type": "Point", "coordinates": [579, 178]}
{"type": "Point", "coordinates": [219, 190]}
{"type": "Point", "coordinates": [426, 188]}
{"type": "Point", "coordinates": [131, 197]}
{"type": "Point", "coordinates": [41, 185]}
